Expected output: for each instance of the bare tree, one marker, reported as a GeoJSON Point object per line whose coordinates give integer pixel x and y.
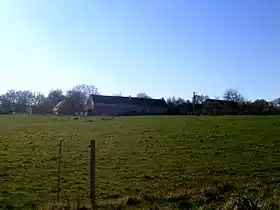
{"type": "Point", "coordinates": [41, 104]}
{"type": "Point", "coordinates": [76, 101]}
{"type": "Point", "coordinates": [233, 95]}
{"type": "Point", "coordinates": [86, 89]}
{"type": "Point", "coordinates": [6, 104]}
{"type": "Point", "coordinates": [11, 96]}
{"type": "Point", "coordinates": [142, 95]}
{"type": "Point", "coordinates": [276, 102]}
{"type": "Point", "coordinates": [55, 96]}
{"type": "Point", "coordinates": [199, 99]}
{"type": "Point", "coordinates": [173, 101]}
{"type": "Point", "coordinates": [40, 99]}
{"type": "Point", "coordinates": [179, 101]}
{"type": "Point", "coordinates": [18, 101]}
{"type": "Point", "coordinates": [24, 99]}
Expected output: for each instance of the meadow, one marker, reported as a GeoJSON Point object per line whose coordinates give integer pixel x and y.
{"type": "Point", "coordinates": [163, 162]}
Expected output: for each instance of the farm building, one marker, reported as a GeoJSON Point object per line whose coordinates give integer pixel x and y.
{"type": "Point", "coordinates": [221, 106]}
{"type": "Point", "coordinates": [118, 105]}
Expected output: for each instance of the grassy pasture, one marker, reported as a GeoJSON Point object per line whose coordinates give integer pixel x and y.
{"type": "Point", "coordinates": [164, 161]}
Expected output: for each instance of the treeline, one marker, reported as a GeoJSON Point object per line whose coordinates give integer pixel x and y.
{"type": "Point", "coordinates": [25, 101]}
{"type": "Point", "coordinates": [232, 102]}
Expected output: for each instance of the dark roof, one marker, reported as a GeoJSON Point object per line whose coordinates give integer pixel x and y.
{"type": "Point", "coordinates": [128, 100]}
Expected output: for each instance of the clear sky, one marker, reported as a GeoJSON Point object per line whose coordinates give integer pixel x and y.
{"type": "Point", "coordinates": [161, 47]}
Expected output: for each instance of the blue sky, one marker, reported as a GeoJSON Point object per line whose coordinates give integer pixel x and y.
{"type": "Point", "coordinates": [164, 48]}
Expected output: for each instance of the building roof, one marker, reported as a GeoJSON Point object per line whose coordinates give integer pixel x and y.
{"type": "Point", "coordinates": [129, 101]}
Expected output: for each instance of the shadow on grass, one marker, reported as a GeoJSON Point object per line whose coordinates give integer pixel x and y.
{"type": "Point", "coordinates": [216, 196]}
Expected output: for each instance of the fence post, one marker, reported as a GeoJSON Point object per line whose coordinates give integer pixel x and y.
{"type": "Point", "coordinates": [92, 173]}
{"type": "Point", "coordinates": [58, 168]}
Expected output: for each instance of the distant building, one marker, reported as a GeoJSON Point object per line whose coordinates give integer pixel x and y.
{"type": "Point", "coordinates": [58, 106]}
{"type": "Point", "coordinates": [118, 105]}
{"type": "Point", "coordinates": [221, 106]}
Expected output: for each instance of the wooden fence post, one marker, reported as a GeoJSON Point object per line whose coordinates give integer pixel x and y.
{"type": "Point", "coordinates": [58, 168]}
{"type": "Point", "coordinates": [92, 173]}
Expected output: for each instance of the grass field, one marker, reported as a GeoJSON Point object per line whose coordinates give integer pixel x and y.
{"type": "Point", "coordinates": [171, 162]}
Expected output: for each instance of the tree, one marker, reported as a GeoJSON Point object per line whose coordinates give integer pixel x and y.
{"type": "Point", "coordinates": [261, 102]}
{"type": "Point", "coordinates": [199, 99]}
{"type": "Point", "coordinates": [78, 96]}
{"type": "Point", "coordinates": [6, 104]}
{"type": "Point", "coordinates": [178, 105]}
{"type": "Point", "coordinates": [260, 105]}
{"type": "Point", "coordinates": [40, 99]}
{"type": "Point", "coordinates": [233, 95]}
{"type": "Point", "coordinates": [41, 104]}
{"type": "Point", "coordinates": [178, 101]}
{"type": "Point", "coordinates": [21, 100]}
{"type": "Point", "coordinates": [76, 101]}
{"type": "Point", "coordinates": [276, 102]}
{"type": "Point", "coordinates": [11, 95]}
{"type": "Point", "coordinates": [87, 90]}
{"type": "Point", "coordinates": [55, 96]}
{"type": "Point", "coordinates": [142, 95]}
{"type": "Point", "coordinates": [173, 101]}
{"type": "Point", "coordinates": [169, 102]}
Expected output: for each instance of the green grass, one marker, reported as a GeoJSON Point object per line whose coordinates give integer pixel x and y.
{"type": "Point", "coordinates": [171, 162]}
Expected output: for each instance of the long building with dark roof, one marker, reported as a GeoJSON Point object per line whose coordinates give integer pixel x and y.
{"type": "Point", "coordinates": [119, 105]}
